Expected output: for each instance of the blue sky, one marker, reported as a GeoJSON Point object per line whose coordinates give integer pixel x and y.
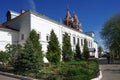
{"type": "Point", "coordinates": [91, 13]}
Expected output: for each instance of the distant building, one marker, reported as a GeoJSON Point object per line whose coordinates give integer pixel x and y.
{"type": "Point", "coordinates": [18, 26]}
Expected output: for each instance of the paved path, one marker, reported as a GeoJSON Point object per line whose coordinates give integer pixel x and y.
{"type": "Point", "coordinates": [109, 71]}
{"type": "Point", "coordinates": [2, 77]}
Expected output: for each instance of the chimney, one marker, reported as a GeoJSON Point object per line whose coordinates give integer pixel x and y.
{"type": "Point", "coordinates": [22, 11]}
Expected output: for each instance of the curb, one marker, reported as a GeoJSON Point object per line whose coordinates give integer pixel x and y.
{"type": "Point", "coordinates": [99, 77]}
{"type": "Point", "coordinates": [16, 76]}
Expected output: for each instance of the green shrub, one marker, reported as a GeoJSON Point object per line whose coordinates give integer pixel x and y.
{"type": "Point", "coordinates": [51, 77]}
{"type": "Point", "coordinates": [39, 75]}
{"type": "Point", "coordinates": [73, 72]}
{"type": "Point", "coordinates": [83, 63]}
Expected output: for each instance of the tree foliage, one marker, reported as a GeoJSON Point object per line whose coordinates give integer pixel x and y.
{"type": "Point", "coordinates": [85, 50]}
{"type": "Point", "coordinates": [34, 38]}
{"type": "Point", "coordinates": [4, 58]}
{"type": "Point", "coordinates": [110, 33]}
{"type": "Point", "coordinates": [13, 51]}
{"type": "Point", "coordinates": [78, 52]}
{"type": "Point", "coordinates": [66, 48]}
{"type": "Point", "coordinates": [100, 49]}
{"type": "Point", "coordinates": [27, 61]}
{"type": "Point", "coordinates": [53, 49]}
{"type": "Point", "coordinates": [30, 57]}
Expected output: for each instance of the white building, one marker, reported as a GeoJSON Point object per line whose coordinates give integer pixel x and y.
{"type": "Point", "coordinates": [18, 26]}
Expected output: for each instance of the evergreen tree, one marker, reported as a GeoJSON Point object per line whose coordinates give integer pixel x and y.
{"type": "Point", "coordinates": [13, 51]}
{"type": "Point", "coordinates": [85, 50]}
{"type": "Point", "coordinates": [78, 53]}
{"type": "Point", "coordinates": [34, 38]}
{"type": "Point", "coordinates": [53, 49]}
{"type": "Point", "coordinates": [66, 48]}
{"type": "Point", "coordinates": [27, 61]}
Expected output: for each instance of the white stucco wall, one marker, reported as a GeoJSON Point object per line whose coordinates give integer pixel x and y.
{"type": "Point", "coordinates": [7, 36]}
{"type": "Point", "coordinates": [22, 24]}
{"type": "Point", "coordinates": [44, 25]}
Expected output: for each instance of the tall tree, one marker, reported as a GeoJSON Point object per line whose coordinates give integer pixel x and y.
{"type": "Point", "coordinates": [53, 49]}
{"type": "Point", "coordinates": [34, 38]}
{"type": "Point", "coordinates": [85, 50]}
{"type": "Point", "coordinates": [110, 33]}
{"type": "Point", "coordinates": [100, 49]}
{"type": "Point", "coordinates": [27, 61]}
{"type": "Point", "coordinates": [66, 48]}
{"type": "Point", "coordinates": [78, 53]}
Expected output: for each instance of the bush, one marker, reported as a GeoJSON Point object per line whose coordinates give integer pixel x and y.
{"type": "Point", "coordinates": [4, 58]}
{"type": "Point", "coordinates": [83, 64]}
{"type": "Point", "coordinates": [51, 77]}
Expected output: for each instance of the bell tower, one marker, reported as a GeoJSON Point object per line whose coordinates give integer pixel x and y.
{"type": "Point", "coordinates": [72, 22]}
{"type": "Point", "coordinates": [68, 20]}
{"type": "Point", "coordinates": [76, 24]}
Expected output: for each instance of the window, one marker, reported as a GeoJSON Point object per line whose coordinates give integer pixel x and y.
{"type": "Point", "coordinates": [91, 44]}
{"type": "Point", "coordinates": [74, 40]}
{"type": "Point", "coordinates": [81, 42]}
{"type": "Point", "coordinates": [88, 43]}
{"type": "Point", "coordinates": [47, 38]}
{"type": "Point", "coordinates": [22, 36]}
{"type": "Point", "coordinates": [39, 35]}
{"type": "Point", "coordinates": [78, 40]}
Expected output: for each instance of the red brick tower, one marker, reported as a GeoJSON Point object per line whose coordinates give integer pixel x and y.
{"type": "Point", "coordinates": [72, 22]}
{"type": "Point", "coordinates": [68, 19]}
{"type": "Point", "coordinates": [76, 24]}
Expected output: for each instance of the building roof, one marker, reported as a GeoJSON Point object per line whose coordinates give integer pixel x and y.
{"type": "Point", "coordinates": [44, 17]}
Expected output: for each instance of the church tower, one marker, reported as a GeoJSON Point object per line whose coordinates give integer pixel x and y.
{"type": "Point", "coordinates": [72, 22]}
{"type": "Point", "coordinates": [76, 24]}
{"type": "Point", "coordinates": [68, 20]}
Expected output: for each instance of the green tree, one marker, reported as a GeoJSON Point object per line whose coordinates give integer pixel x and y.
{"type": "Point", "coordinates": [100, 49]}
{"type": "Point", "coordinates": [78, 53]}
{"type": "Point", "coordinates": [27, 60]}
{"type": "Point", "coordinates": [110, 34]}
{"type": "Point", "coordinates": [53, 49]}
{"type": "Point", "coordinates": [66, 48]}
{"type": "Point", "coordinates": [34, 38]}
{"type": "Point", "coordinates": [85, 50]}
{"type": "Point", "coordinates": [13, 51]}
{"type": "Point", "coordinates": [4, 58]}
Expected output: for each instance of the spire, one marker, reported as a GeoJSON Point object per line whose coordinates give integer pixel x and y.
{"type": "Point", "coordinates": [68, 16]}
{"type": "Point", "coordinates": [75, 18]}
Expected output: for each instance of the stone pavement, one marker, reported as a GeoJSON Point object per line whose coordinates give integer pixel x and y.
{"type": "Point", "coordinates": [109, 71]}
{"type": "Point", "coordinates": [2, 77]}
